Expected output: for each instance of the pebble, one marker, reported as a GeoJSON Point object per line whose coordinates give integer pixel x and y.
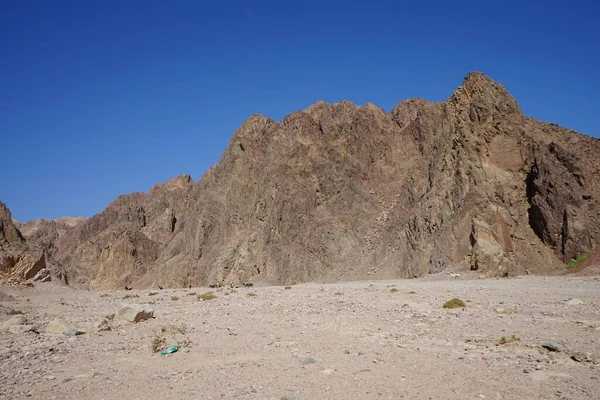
{"type": "Point", "coordinates": [573, 302]}
{"type": "Point", "coordinates": [550, 346]}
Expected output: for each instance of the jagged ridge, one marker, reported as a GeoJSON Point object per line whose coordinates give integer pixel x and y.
{"type": "Point", "coordinates": [339, 191]}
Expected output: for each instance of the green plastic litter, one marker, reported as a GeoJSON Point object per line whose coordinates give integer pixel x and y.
{"type": "Point", "coordinates": [169, 350]}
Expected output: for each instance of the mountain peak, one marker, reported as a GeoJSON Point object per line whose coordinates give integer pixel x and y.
{"type": "Point", "coordinates": [482, 93]}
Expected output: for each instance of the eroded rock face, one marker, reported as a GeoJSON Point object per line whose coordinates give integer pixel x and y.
{"type": "Point", "coordinates": [556, 191]}
{"type": "Point", "coordinates": [19, 261]}
{"type": "Point", "coordinates": [339, 191]}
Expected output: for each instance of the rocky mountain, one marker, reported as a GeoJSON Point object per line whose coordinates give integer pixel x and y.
{"type": "Point", "coordinates": [340, 192]}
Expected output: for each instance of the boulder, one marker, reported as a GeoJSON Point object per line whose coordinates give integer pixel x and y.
{"type": "Point", "coordinates": [135, 314]}
{"type": "Point", "coordinates": [58, 326]}
{"type": "Point", "coordinates": [21, 329]}
{"type": "Point", "coordinates": [43, 275]}
{"type": "Point", "coordinates": [16, 320]}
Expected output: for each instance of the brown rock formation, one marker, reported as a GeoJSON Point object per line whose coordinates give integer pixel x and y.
{"type": "Point", "coordinates": [339, 191]}
{"type": "Point", "coordinates": [18, 261]}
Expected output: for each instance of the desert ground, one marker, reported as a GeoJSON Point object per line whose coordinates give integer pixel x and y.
{"type": "Point", "coordinates": [355, 340]}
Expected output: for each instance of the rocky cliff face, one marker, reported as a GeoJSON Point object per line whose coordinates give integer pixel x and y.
{"type": "Point", "coordinates": [19, 261]}
{"type": "Point", "coordinates": [339, 191]}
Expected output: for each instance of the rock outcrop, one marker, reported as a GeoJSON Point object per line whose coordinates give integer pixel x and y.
{"type": "Point", "coordinates": [339, 192]}
{"type": "Point", "coordinates": [19, 262]}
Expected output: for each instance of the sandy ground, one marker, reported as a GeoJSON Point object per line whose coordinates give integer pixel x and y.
{"type": "Point", "coordinates": [358, 340]}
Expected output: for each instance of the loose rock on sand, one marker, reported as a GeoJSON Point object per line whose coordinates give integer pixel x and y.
{"type": "Point", "coordinates": [310, 342]}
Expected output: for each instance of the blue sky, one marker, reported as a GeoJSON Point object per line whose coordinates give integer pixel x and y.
{"type": "Point", "coordinates": [101, 98]}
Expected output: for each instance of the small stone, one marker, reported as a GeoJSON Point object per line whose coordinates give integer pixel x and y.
{"type": "Point", "coordinates": [526, 370]}
{"type": "Point", "coordinates": [50, 377]}
{"type": "Point", "coordinates": [328, 371]}
{"type": "Point", "coordinates": [579, 356]}
{"type": "Point", "coordinates": [550, 346]}
{"type": "Point", "coordinates": [73, 332]}
{"type": "Point", "coordinates": [308, 361]}
{"type": "Point", "coordinates": [573, 302]}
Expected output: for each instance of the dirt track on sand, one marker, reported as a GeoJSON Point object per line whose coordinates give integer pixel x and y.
{"type": "Point", "coordinates": [358, 340]}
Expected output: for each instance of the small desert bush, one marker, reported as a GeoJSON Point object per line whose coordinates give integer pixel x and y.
{"type": "Point", "coordinates": [106, 323]}
{"type": "Point", "coordinates": [191, 294]}
{"type": "Point", "coordinates": [455, 303]}
{"type": "Point", "coordinates": [174, 298]}
{"type": "Point", "coordinates": [412, 292]}
{"type": "Point", "coordinates": [393, 290]}
{"type": "Point", "coordinates": [152, 293]}
{"type": "Point", "coordinates": [574, 263]}
{"type": "Point", "coordinates": [14, 312]}
{"type": "Point", "coordinates": [157, 343]}
{"type": "Point", "coordinates": [168, 335]}
{"type": "Point", "coordinates": [337, 293]}
{"type": "Point", "coordinates": [251, 294]}
{"type": "Point", "coordinates": [509, 339]}
{"type": "Point", "coordinates": [104, 295]}
{"type": "Point", "coordinates": [130, 296]}
{"type": "Point", "coordinates": [287, 287]}
{"type": "Point", "coordinates": [182, 330]}
{"type": "Point", "coordinates": [206, 296]}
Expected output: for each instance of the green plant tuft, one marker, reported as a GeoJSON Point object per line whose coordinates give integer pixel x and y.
{"type": "Point", "coordinates": [393, 290]}
{"type": "Point", "coordinates": [14, 312]}
{"type": "Point", "coordinates": [152, 293]}
{"type": "Point", "coordinates": [174, 298]}
{"type": "Point", "coordinates": [574, 263]}
{"type": "Point", "coordinates": [130, 296]}
{"type": "Point", "coordinates": [251, 294]}
{"type": "Point", "coordinates": [287, 287]}
{"type": "Point", "coordinates": [455, 303]}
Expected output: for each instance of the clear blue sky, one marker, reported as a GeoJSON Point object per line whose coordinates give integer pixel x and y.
{"type": "Point", "coordinates": [101, 98]}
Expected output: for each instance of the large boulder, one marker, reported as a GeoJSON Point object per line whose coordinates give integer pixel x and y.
{"type": "Point", "coordinates": [135, 314]}
{"type": "Point", "coordinates": [14, 321]}
{"type": "Point", "coordinates": [59, 326]}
